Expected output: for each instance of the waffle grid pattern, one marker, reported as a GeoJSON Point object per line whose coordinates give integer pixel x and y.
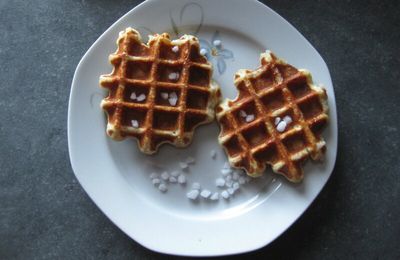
{"type": "Point", "coordinates": [276, 89]}
{"type": "Point", "coordinates": [142, 69]}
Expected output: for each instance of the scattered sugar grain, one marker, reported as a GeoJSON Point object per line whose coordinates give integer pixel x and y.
{"type": "Point", "coordinates": [277, 120]}
{"type": "Point", "coordinates": [226, 165]}
{"type": "Point", "coordinates": [242, 113]}
{"type": "Point", "coordinates": [165, 176]}
{"type": "Point", "coordinates": [249, 118]}
{"type": "Point", "coordinates": [190, 160]}
{"type": "Point", "coordinates": [287, 120]}
{"type": "Point", "coordinates": [172, 179]}
{"type": "Point", "coordinates": [214, 196]}
{"type": "Point", "coordinates": [172, 101]}
{"type": "Point", "coordinates": [205, 193]}
{"type": "Point", "coordinates": [173, 76]}
{"type": "Point", "coordinates": [133, 96]}
{"type": "Point", "coordinates": [175, 173]}
{"type": "Point", "coordinates": [220, 182]}
{"type": "Point", "coordinates": [135, 123]}
{"type": "Point", "coordinates": [235, 176]}
{"type": "Point", "coordinates": [182, 179]}
{"type": "Point", "coordinates": [235, 185]}
{"type": "Point", "coordinates": [228, 177]}
{"type": "Point", "coordinates": [173, 98]}
{"type": "Point", "coordinates": [281, 126]}
{"type": "Point", "coordinates": [156, 181]}
{"type": "Point", "coordinates": [203, 51]}
{"type": "Point", "coordinates": [242, 180]}
{"type": "Point", "coordinates": [196, 186]}
{"type": "Point", "coordinates": [183, 165]}
{"type": "Point", "coordinates": [163, 187]}
{"type": "Point", "coordinates": [141, 97]}
{"type": "Point", "coordinates": [153, 175]}
{"type": "Point", "coordinates": [230, 191]}
{"type": "Point", "coordinates": [175, 48]}
{"type": "Point", "coordinates": [213, 154]}
{"type": "Point", "coordinates": [193, 194]}
{"type": "Point", "coordinates": [225, 194]}
{"type": "Point", "coordinates": [164, 95]}
{"type": "Point", "coordinates": [229, 183]}
{"type": "Point", "coordinates": [226, 171]}
{"type": "Point", "coordinates": [217, 43]}
{"type": "Point", "coordinates": [173, 95]}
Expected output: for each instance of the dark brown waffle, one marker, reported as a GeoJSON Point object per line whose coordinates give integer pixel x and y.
{"type": "Point", "coordinates": [150, 71]}
{"type": "Point", "coordinates": [275, 89]}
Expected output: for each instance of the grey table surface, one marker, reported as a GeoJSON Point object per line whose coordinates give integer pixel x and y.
{"type": "Point", "coordinates": [44, 212]}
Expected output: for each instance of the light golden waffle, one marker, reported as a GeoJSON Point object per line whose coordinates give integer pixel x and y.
{"type": "Point", "coordinates": [159, 92]}
{"type": "Point", "coordinates": [249, 124]}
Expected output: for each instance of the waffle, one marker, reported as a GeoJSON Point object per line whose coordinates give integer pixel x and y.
{"type": "Point", "coordinates": [251, 125]}
{"type": "Point", "coordinates": [159, 92]}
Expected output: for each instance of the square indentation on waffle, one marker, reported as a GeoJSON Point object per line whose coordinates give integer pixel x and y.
{"type": "Point", "coordinates": [136, 115]}
{"type": "Point", "coordinates": [192, 120]}
{"type": "Point", "coordinates": [233, 146]}
{"type": "Point", "coordinates": [165, 120]}
{"type": "Point", "coordinates": [110, 112]}
{"type": "Point", "coordinates": [311, 107]}
{"type": "Point", "coordinates": [112, 87]}
{"type": "Point", "coordinates": [199, 76]}
{"type": "Point", "coordinates": [138, 70]}
{"type": "Point", "coordinates": [243, 91]}
{"type": "Point", "coordinates": [299, 88]}
{"type": "Point", "coordinates": [169, 73]}
{"type": "Point", "coordinates": [135, 93]}
{"type": "Point", "coordinates": [195, 56]}
{"type": "Point", "coordinates": [264, 82]}
{"type": "Point", "coordinates": [295, 142]}
{"type": "Point", "coordinates": [169, 52]}
{"type": "Point", "coordinates": [226, 125]}
{"type": "Point", "coordinates": [269, 154]}
{"type": "Point", "coordinates": [135, 48]}
{"type": "Point", "coordinates": [273, 100]}
{"type": "Point", "coordinates": [168, 96]}
{"type": "Point", "coordinates": [286, 112]}
{"type": "Point", "coordinates": [246, 114]}
{"type": "Point", "coordinates": [197, 99]}
{"type": "Point", "coordinates": [317, 126]}
{"type": "Point", "coordinates": [286, 71]}
{"type": "Point", "coordinates": [256, 134]}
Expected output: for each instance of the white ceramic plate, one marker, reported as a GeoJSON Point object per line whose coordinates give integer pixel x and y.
{"type": "Point", "coordinates": [116, 174]}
